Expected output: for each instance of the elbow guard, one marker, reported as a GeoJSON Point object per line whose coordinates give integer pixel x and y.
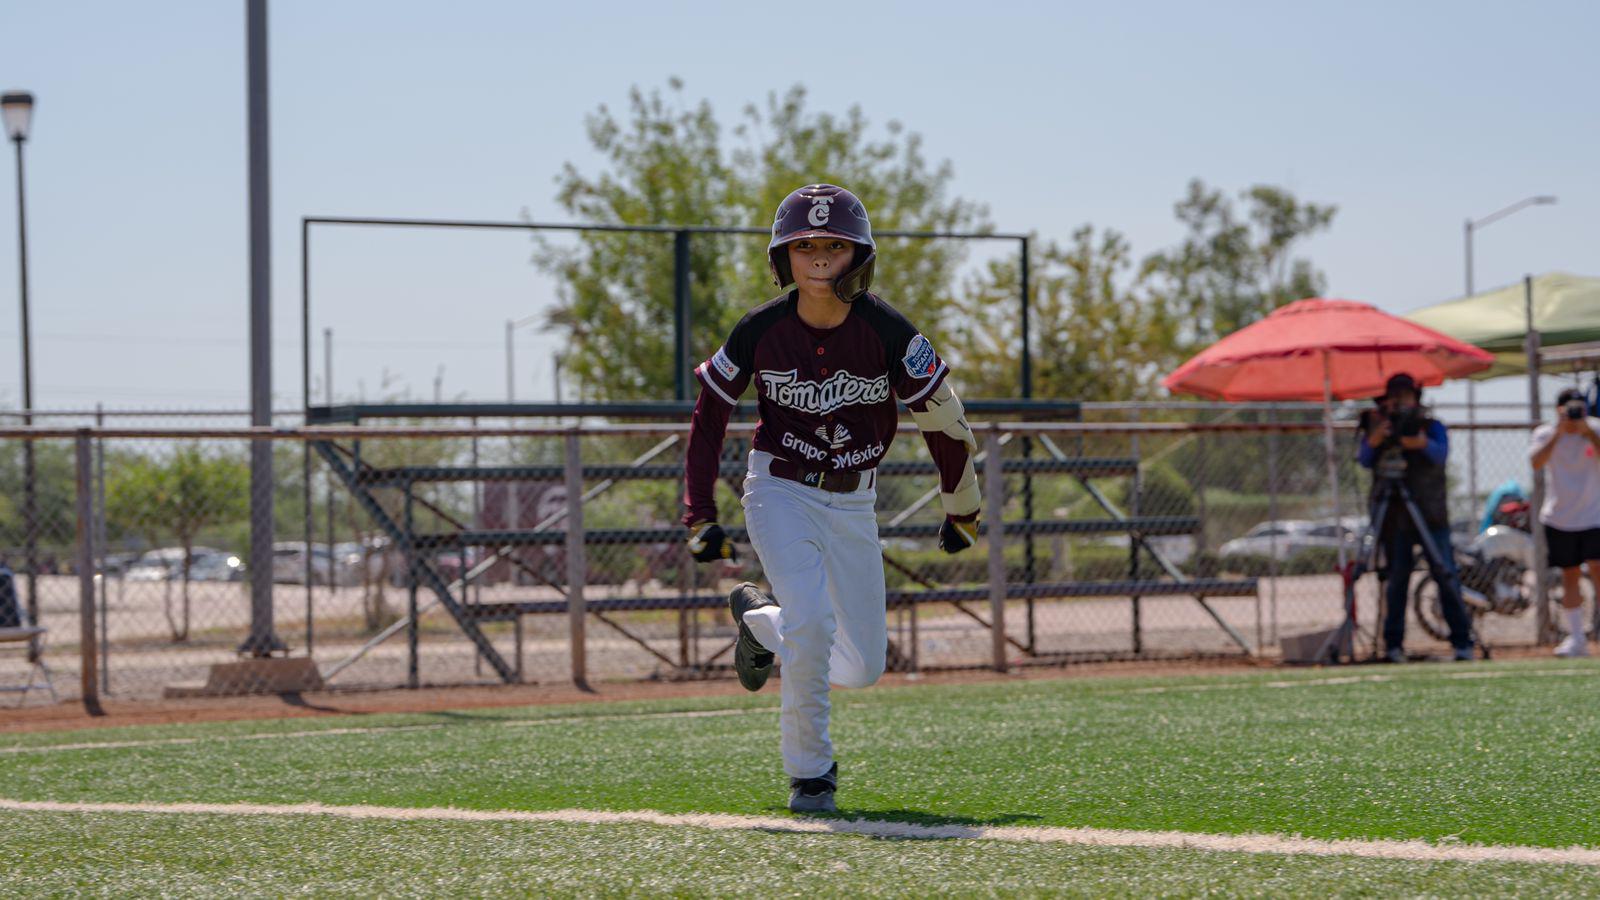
{"type": "Point", "coordinates": [943, 414]}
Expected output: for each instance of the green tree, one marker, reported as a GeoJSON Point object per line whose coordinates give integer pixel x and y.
{"type": "Point", "coordinates": [668, 160]}
{"type": "Point", "coordinates": [195, 487]}
{"type": "Point", "coordinates": [55, 495]}
{"type": "Point", "coordinates": [1231, 268]}
{"type": "Point", "coordinates": [1105, 329]}
{"type": "Point", "coordinates": [1094, 335]}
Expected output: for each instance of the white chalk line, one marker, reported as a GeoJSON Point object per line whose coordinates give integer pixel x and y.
{"type": "Point", "coordinates": [1369, 679]}
{"type": "Point", "coordinates": [380, 729]}
{"type": "Point", "coordinates": [1411, 850]}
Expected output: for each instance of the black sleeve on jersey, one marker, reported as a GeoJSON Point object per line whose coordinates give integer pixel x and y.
{"type": "Point", "coordinates": [727, 373]}
{"type": "Point", "coordinates": [915, 369]}
{"type": "Point", "coordinates": [741, 343]}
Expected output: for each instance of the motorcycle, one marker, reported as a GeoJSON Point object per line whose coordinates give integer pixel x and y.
{"type": "Point", "coordinates": [1497, 578]}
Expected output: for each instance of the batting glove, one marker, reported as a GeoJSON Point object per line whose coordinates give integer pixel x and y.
{"type": "Point", "coordinates": [709, 543]}
{"type": "Point", "coordinates": [956, 535]}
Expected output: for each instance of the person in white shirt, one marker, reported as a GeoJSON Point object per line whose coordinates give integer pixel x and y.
{"type": "Point", "coordinates": [1569, 450]}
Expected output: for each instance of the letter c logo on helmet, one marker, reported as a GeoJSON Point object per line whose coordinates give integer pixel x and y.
{"type": "Point", "coordinates": [824, 210]}
{"type": "Point", "coordinates": [818, 216]}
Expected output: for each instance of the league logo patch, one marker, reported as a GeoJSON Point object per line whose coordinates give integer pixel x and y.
{"type": "Point", "coordinates": [724, 365]}
{"type": "Point", "coordinates": [920, 359]}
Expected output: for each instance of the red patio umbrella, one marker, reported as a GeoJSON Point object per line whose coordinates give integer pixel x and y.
{"type": "Point", "coordinates": [1324, 350]}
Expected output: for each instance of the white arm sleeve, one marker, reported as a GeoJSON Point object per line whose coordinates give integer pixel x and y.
{"type": "Point", "coordinates": [945, 415]}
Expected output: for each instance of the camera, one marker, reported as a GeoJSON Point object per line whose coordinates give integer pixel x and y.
{"type": "Point", "coordinates": [1405, 422]}
{"type": "Point", "coordinates": [1402, 422]}
{"type": "Point", "coordinates": [1574, 409]}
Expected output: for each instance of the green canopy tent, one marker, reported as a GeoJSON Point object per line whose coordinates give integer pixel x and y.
{"type": "Point", "coordinates": [1566, 314]}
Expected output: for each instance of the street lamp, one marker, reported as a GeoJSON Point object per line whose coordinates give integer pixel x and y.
{"type": "Point", "coordinates": [16, 110]}
{"type": "Point", "coordinates": [513, 500]}
{"type": "Point", "coordinates": [511, 326]}
{"type": "Point", "coordinates": [1473, 225]}
{"type": "Point", "coordinates": [1468, 229]}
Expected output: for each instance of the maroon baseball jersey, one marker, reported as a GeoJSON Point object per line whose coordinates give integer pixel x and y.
{"type": "Point", "coordinates": [825, 398]}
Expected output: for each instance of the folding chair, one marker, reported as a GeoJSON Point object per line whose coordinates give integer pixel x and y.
{"type": "Point", "coordinates": [16, 629]}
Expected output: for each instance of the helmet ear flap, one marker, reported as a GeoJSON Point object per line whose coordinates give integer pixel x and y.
{"type": "Point", "coordinates": [778, 262]}
{"type": "Point", "coordinates": [854, 283]}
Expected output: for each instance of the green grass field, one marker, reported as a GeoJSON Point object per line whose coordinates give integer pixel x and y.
{"type": "Point", "coordinates": [1503, 755]}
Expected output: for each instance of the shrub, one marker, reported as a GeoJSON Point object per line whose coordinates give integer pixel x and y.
{"type": "Point", "coordinates": [1163, 492]}
{"type": "Point", "coordinates": [1312, 561]}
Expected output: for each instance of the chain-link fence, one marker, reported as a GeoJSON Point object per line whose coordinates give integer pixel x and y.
{"type": "Point", "coordinates": [475, 551]}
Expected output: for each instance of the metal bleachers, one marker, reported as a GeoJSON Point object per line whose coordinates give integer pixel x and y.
{"type": "Point", "coordinates": [420, 548]}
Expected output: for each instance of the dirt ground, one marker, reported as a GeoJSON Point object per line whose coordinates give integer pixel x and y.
{"type": "Point", "coordinates": [67, 716]}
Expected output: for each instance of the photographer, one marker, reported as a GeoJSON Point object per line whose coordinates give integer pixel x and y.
{"type": "Point", "coordinates": [1400, 440]}
{"type": "Point", "coordinates": [1569, 451]}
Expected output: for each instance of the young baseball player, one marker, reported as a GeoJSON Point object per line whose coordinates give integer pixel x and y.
{"type": "Point", "coordinates": [828, 359]}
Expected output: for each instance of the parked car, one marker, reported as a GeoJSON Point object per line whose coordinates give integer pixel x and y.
{"type": "Point", "coordinates": [452, 564]}
{"type": "Point", "coordinates": [374, 554]}
{"type": "Point", "coordinates": [1272, 539]}
{"type": "Point", "coordinates": [1282, 539]}
{"type": "Point", "coordinates": [289, 563]}
{"type": "Point", "coordinates": [116, 565]}
{"type": "Point", "coordinates": [1285, 538]}
{"type": "Point", "coordinates": [167, 563]}
{"type": "Point", "coordinates": [1328, 533]}
{"type": "Point", "coordinates": [216, 567]}
{"type": "Point", "coordinates": [149, 570]}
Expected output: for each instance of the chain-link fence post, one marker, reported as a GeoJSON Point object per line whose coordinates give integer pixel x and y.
{"type": "Point", "coordinates": [994, 489]}
{"type": "Point", "coordinates": [100, 551]}
{"type": "Point", "coordinates": [413, 676]}
{"type": "Point", "coordinates": [576, 563]}
{"type": "Point", "coordinates": [1201, 544]}
{"type": "Point", "coordinates": [1472, 445]}
{"type": "Point", "coordinates": [1541, 571]}
{"type": "Point", "coordinates": [1544, 626]}
{"type": "Point", "coordinates": [1272, 542]}
{"type": "Point", "coordinates": [1135, 507]}
{"type": "Point", "coordinates": [682, 353]}
{"type": "Point", "coordinates": [30, 530]}
{"type": "Point", "coordinates": [309, 535]}
{"type": "Point", "coordinates": [89, 681]}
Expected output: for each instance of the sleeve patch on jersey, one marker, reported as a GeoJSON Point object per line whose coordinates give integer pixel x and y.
{"type": "Point", "coordinates": [920, 361]}
{"type": "Point", "coordinates": [724, 365]}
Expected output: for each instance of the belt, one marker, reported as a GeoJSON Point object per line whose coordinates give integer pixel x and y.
{"type": "Point", "coordinates": [832, 482]}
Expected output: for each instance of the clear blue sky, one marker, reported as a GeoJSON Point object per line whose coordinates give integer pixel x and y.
{"type": "Point", "coordinates": [1409, 116]}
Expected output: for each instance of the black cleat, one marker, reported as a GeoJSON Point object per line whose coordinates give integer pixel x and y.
{"type": "Point", "coordinates": [814, 795]}
{"type": "Point", "coordinates": [752, 661]}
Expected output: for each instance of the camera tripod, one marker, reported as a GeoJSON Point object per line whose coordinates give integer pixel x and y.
{"type": "Point", "coordinates": [1390, 469]}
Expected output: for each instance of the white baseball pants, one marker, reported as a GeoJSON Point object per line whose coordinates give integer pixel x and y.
{"type": "Point", "coordinates": [821, 555]}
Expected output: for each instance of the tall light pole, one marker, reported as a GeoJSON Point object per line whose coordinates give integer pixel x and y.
{"type": "Point", "coordinates": [16, 107]}
{"type": "Point", "coordinates": [513, 500]}
{"type": "Point", "coordinates": [511, 326]}
{"type": "Point", "coordinates": [263, 639]}
{"type": "Point", "coordinates": [1471, 226]}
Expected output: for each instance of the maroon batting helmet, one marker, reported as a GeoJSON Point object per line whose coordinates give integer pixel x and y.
{"type": "Point", "coordinates": [824, 210]}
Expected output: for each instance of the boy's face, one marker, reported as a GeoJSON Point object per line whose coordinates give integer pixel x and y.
{"type": "Point", "coordinates": [816, 262]}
